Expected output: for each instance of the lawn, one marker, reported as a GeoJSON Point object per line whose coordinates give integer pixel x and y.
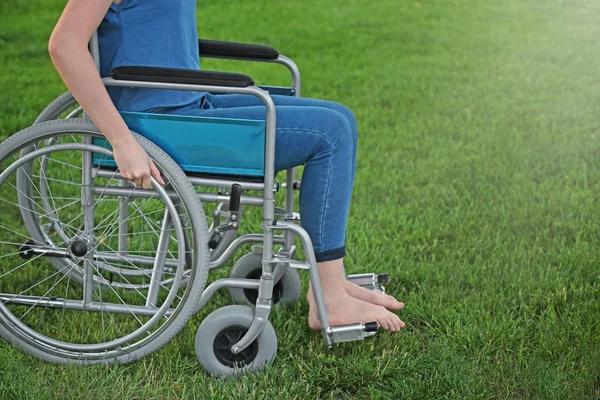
{"type": "Point", "coordinates": [477, 189]}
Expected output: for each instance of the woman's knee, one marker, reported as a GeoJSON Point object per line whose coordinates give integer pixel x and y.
{"type": "Point", "coordinates": [305, 133]}
{"type": "Point", "coordinates": [337, 129]}
{"type": "Point", "coordinates": [321, 104]}
{"type": "Point", "coordinates": [345, 111]}
{"type": "Point", "coordinates": [349, 117]}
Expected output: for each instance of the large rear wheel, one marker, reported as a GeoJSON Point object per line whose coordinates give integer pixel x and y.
{"type": "Point", "coordinates": [124, 303]}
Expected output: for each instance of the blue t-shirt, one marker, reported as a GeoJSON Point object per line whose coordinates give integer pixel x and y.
{"type": "Point", "coordinates": [149, 33]}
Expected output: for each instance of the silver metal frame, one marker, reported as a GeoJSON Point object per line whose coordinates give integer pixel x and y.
{"type": "Point", "coordinates": [265, 290]}
{"type": "Point", "coordinates": [281, 59]}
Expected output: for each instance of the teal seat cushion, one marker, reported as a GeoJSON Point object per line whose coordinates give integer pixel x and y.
{"type": "Point", "coordinates": [202, 145]}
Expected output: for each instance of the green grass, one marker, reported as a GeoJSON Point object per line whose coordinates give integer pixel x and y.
{"type": "Point", "coordinates": [477, 189]}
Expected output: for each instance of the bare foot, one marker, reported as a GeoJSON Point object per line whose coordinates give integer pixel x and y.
{"type": "Point", "coordinates": [345, 309]}
{"type": "Point", "coordinates": [373, 297]}
{"type": "Point", "coordinates": [369, 296]}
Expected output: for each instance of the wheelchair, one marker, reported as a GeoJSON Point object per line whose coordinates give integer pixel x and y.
{"type": "Point", "coordinates": [94, 270]}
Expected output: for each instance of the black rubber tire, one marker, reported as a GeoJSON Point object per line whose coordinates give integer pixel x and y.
{"type": "Point", "coordinates": [249, 266]}
{"type": "Point", "coordinates": [56, 108]}
{"type": "Point", "coordinates": [237, 317]}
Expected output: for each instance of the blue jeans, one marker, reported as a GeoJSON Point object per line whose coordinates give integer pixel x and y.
{"type": "Point", "coordinates": [319, 134]}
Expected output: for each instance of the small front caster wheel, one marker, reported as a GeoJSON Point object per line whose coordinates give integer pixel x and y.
{"type": "Point", "coordinates": [287, 290]}
{"type": "Point", "coordinates": [222, 329]}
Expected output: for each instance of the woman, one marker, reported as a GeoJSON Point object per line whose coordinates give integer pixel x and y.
{"type": "Point", "coordinates": [319, 134]}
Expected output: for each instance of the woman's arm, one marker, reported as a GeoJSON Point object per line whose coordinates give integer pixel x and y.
{"type": "Point", "coordinates": [68, 49]}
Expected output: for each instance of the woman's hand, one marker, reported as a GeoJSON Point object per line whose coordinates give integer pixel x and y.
{"type": "Point", "coordinates": [134, 163]}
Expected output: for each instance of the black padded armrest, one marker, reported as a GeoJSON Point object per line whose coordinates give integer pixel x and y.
{"type": "Point", "coordinates": [218, 49]}
{"type": "Point", "coordinates": [185, 76]}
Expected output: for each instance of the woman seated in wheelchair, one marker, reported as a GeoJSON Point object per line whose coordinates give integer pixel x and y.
{"type": "Point", "coordinates": [319, 134]}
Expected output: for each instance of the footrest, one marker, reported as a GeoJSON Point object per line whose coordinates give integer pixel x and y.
{"type": "Point", "coordinates": [370, 281]}
{"type": "Point", "coordinates": [353, 332]}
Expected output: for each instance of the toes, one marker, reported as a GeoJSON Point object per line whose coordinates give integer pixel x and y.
{"type": "Point", "coordinates": [389, 321]}
{"type": "Point", "coordinates": [395, 322]}
{"type": "Point", "coordinates": [383, 322]}
{"type": "Point", "coordinates": [387, 301]}
{"type": "Point", "coordinates": [393, 303]}
{"type": "Point", "coordinates": [398, 324]}
{"type": "Point", "coordinates": [393, 326]}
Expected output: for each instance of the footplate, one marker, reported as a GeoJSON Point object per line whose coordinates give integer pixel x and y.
{"type": "Point", "coordinates": [353, 332]}
{"type": "Point", "coordinates": [370, 281]}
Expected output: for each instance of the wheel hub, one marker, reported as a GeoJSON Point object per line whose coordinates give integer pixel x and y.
{"type": "Point", "coordinates": [81, 245]}
{"type": "Point", "coordinates": [225, 340]}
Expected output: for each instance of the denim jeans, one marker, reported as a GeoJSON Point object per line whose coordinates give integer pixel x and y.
{"type": "Point", "coordinates": [319, 134]}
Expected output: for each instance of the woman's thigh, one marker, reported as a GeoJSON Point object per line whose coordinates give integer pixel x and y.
{"type": "Point", "coordinates": [241, 100]}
